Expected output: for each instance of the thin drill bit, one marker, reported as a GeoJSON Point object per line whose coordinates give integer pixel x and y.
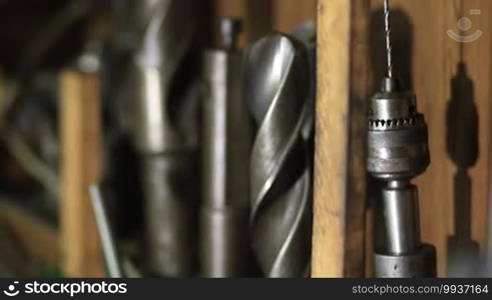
{"type": "Point", "coordinates": [277, 82]}
{"type": "Point", "coordinates": [387, 31]}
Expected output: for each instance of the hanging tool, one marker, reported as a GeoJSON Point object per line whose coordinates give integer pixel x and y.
{"type": "Point", "coordinates": [163, 31]}
{"type": "Point", "coordinates": [227, 145]}
{"type": "Point", "coordinates": [397, 152]}
{"type": "Point", "coordinates": [277, 83]}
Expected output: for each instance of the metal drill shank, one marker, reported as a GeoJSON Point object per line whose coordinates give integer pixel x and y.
{"type": "Point", "coordinates": [400, 205]}
{"type": "Point", "coordinates": [277, 86]}
{"type": "Point", "coordinates": [227, 145]}
{"type": "Point", "coordinates": [166, 150]}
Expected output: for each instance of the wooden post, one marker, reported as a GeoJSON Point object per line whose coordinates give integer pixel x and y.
{"type": "Point", "coordinates": [288, 14]}
{"type": "Point", "coordinates": [340, 176]}
{"type": "Point", "coordinates": [80, 166]}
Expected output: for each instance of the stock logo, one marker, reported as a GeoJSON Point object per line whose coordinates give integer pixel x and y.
{"type": "Point", "coordinates": [464, 25]}
{"type": "Point", "coordinates": [11, 290]}
{"type": "Point", "coordinates": [71, 289]}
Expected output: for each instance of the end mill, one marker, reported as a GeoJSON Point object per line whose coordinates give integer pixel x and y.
{"type": "Point", "coordinates": [277, 85]}
{"type": "Point", "coordinates": [397, 152]}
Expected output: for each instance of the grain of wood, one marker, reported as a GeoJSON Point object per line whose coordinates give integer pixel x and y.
{"type": "Point", "coordinates": [339, 184]}
{"type": "Point", "coordinates": [80, 166]}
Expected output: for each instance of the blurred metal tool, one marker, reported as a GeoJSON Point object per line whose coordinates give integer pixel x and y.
{"type": "Point", "coordinates": [397, 152]}
{"type": "Point", "coordinates": [61, 20]}
{"type": "Point", "coordinates": [227, 144]}
{"type": "Point", "coordinates": [278, 81]}
{"type": "Point", "coordinates": [107, 240]}
{"type": "Point", "coordinates": [163, 32]}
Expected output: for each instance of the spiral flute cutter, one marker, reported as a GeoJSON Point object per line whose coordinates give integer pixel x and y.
{"type": "Point", "coordinates": [397, 152]}
{"type": "Point", "coordinates": [167, 152]}
{"type": "Point", "coordinates": [278, 81]}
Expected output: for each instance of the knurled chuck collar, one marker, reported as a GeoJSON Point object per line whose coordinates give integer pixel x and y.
{"type": "Point", "coordinates": [397, 135]}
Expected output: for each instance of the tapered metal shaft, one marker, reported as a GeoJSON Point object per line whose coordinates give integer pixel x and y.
{"type": "Point", "coordinates": [163, 30]}
{"type": "Point", "coordinates": [278, 81]}
{"type": "Point", "coordinates": [224, 248]}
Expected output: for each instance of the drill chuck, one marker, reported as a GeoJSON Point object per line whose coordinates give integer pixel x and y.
{"type": "Point", "coordinates": [397, 138]}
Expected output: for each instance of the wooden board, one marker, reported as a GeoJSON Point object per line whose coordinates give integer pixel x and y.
{"type": "Point", "coordinates": [340, 180]}
{"type": "Point", "coordinates": [80, 166]}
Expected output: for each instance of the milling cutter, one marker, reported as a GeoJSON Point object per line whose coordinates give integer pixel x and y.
{"type": "Point", "coordinates": [397, 152]}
